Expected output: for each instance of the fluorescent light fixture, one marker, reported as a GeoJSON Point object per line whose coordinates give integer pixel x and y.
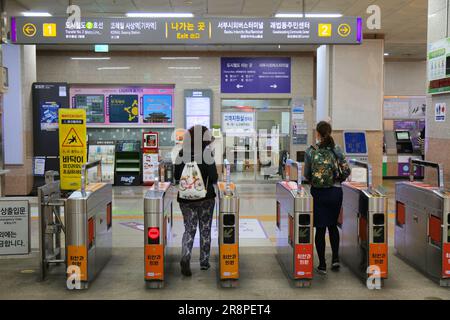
{"type": "Point", "coordinates": [180, 58]}
{"type": "Point", "coordinates": [113, 68]}
{"type": "Point", "coordinates": [386, 54]}
{"type": "Point", "coordinates": [184, 68]}
{"type": "Point", "coordinates": [308, 15]}
{"type": "Point", "coordinates": [90, 58]}
{"type": "Point", "coordinates": [159, 15]}
{"type": "Point", "coordinates": [36, 14]}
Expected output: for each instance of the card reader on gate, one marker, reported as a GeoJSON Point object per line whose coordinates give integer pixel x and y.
{"type": "Point", "coordinates": [403, 142]}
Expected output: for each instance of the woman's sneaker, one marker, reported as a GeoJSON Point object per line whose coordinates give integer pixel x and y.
{"type": "Point", "coordinates": [336, 265]}
{"type": "Point", "coordinates": [205, 266]}
{"type": "Point", "coordinates": [322, 270]}
{"type": "Point", "coordinates": [185, 268]}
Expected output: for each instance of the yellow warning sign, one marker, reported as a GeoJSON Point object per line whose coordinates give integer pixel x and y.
{"type": "Point", "coordinates": [72, 147]}
{"type": "Point", "coordinates": [72, 140]}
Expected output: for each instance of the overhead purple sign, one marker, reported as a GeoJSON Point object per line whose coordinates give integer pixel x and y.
{"type": "Point", "coordinates": [256, 75]}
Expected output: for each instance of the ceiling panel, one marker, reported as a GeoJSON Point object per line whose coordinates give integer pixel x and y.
{"type": "Point", "coordinates": [228, 7]}
{"type": "Point", "coordinates": [263, 8]}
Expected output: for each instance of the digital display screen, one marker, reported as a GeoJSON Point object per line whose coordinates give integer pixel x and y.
{"type": "Point", "coordinates": [94, 106]}
{"type": "Point", "coordinates": [402, 135]}
{"type": "Point", "coordinates": [157, 108]}
{"type": "Point", "coordinates": [355, 143]}
{"type": "Point", "coordinates": [198, 111]}
{"type": "Point", "coordinates": [123, 108]}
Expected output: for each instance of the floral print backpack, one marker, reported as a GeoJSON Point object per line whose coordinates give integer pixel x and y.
{"type": "Point", "coordinates": [324, 167]}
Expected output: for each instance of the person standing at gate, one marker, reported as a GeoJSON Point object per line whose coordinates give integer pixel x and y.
{"type": "Point", "coordinates": [196, 173]}
{"type": "Point", "coordinates": [325, 169]}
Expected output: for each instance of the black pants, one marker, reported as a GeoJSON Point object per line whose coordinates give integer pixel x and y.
{"type": "Point", "coordinates": [320, 243]}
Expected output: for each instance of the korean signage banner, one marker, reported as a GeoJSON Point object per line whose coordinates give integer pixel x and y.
{"type": "Point", "coordinates": [14, 227]}
{"type": "Point", "coordinates": [56, 30]}
{"type": "Point", "coordinates": [72, 147]}
{"type": "Point", "coordinates": [255, 75]}
{"type": "Point", "coordinates": [238, 121]}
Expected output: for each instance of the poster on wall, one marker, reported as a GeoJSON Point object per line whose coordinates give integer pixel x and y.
{"type": "Point", "coordinates": [238, 121]}
{"type": "Point", "coordinates": [157, 108]}
{"type": "Point", "coordinates": [198, 107]}
{"type": "Point", "coordinates": [94, 106]}
{"type": "Point", "coordinates": [256, 75]}
{"type": "Point", "coordinates": [49, 116]}
{"type": "Point", "coordinates": [404, 107]}
{"type": "Point", "coordinates": [440, 110]}
{"type": "Point", "coordinates": [123, 108]}
{"type": "Point", "coordinates": [130, 105]}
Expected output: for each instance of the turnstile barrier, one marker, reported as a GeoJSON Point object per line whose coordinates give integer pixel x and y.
{"type": "Point", "coordinates": [158, 222]}
{"type": "Point", "coordinates": [422, 224]}
{"type": "Point", "coordinates": [228, 231]}
{"type": "Point", "coordinates": [88, 216]}
{"type": "Point", "coordinates": [294, 219]}
{"type": "Point", "coordinates": [364, 226]}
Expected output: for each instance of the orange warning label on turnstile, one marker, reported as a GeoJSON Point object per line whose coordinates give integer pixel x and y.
{"type": "Point", "coordinates": [446, 260]}
{"type": "Point", "coordinates": [229, 261]}
{"type": "Point", "coordinates": [222, 186]}
{"type": "Point", "coordinates": [378, 256]}
{"type": "Point", "coordinates": [303, 261]}
{"type": "Point", "coordinates": [154, 262]}
{"type": "Point", "coordinates": [77, 256]}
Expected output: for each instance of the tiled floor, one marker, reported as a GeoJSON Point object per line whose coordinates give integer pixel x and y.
{"type": "Point", "coordinates": [261, 276]}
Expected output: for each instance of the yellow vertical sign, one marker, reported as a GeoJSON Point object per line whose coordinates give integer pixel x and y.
{"type": "Point", "coordinates": [72, 147]}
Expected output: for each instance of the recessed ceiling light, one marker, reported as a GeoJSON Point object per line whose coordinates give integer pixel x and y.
{"type": "Point", "coordinates": [90, 58]}
{"type": "Point", "coordinates": [180, 58]}
{"type": "Point", "coordinates": [36, 14]}
{"type": "Point", "coordinates": [159, 15]}
{"type": "Point", "coordinates": [386, 54]}
{"type": "Point", "coordinates": [113, 68]}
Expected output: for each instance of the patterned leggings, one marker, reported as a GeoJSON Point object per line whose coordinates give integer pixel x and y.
{"type": "Point", "coordinates": [200, 212]}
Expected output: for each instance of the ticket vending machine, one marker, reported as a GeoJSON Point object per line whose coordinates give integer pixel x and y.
{"type": "Point", "coordinates": [356, 147]}
{"type": "Point", "coordinates": [294, 219]}
{"type": "Point", "coordinates": [364, 228]}
{"type": "Point", "coordinates": [158, 222]}
{"type": "Point", "coordinates": [228, 231]}
{"type": "Point", "coordinates": [422, 224]}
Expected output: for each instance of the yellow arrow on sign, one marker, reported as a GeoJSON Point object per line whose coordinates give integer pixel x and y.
{"type": "Point", "coordinates": [29, 30]}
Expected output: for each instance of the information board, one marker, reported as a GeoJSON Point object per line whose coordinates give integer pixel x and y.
{"type": "Point", "coordinates": [56, 30]}
{"type": "Point", "coordinates": [72, 147]}
{"type": "Point", "coordinates": [256, 75]}
{"type": "Point", "coordinates": [238, 122]}
{"type": "Point", "coordinates": [14, 227]}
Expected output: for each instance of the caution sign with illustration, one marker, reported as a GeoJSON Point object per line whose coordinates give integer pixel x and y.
{"type": "Point", "coordinates": [72, 147]}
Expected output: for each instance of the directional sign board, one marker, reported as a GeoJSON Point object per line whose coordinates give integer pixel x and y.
{"type": "Point", "coordinates": [56, 30]}
{"type": "Point", "coordinates": [72, 147]}
{"type": "Point", "coordinates": [256, 75]}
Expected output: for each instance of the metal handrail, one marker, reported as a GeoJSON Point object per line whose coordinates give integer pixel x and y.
{"type": "Point", "coordinates": [439, 167]}
{"type": "Point", "coordinates": [292, 163]}
{"type": "Point", "coordinates": [84, 168]}
{"type": "Point", "coordinates": [366, 165]}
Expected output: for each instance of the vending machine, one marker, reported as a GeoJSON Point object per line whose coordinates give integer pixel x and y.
{"type": "Point", "coordinates": [150, 158]}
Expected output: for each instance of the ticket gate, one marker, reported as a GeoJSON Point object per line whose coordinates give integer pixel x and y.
{"type": "Point", "coordinates": [88, 216]}
{"type": "Point", "coordinates": [158, 222]}
{"type": "Point", "coordinates": [295, 228]}
{"type": "Point", "coordinates": [364, 225]}
{"type": "Point", "coordinates": [228, 231]}
{"type": "Point", "coordinates": [51, 225]}
{"type": "Point", "coordinates": [422, 224]}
